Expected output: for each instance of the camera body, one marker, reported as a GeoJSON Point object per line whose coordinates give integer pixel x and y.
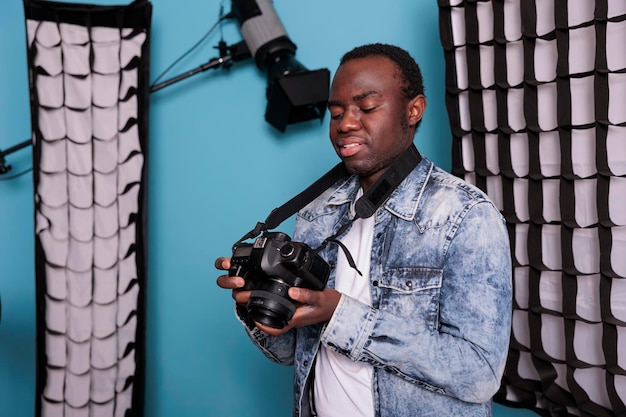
{"type": "Point", "coordinates": [270, 266]}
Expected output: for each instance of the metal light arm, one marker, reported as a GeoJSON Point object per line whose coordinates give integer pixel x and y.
{"type": "Point", "coordinates": [228, 55]}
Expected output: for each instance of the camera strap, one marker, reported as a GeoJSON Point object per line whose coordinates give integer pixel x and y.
{"type": "Point", "coordinates": [365, 206]}
{"type": "Point", "coordinates": [280, 214]}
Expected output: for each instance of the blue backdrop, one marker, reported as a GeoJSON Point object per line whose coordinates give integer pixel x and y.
{"type": "Point", "coordinates": [216, 168]}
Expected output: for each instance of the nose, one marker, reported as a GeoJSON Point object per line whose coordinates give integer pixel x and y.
{"type": "Point", "coordinates": [349, 121]}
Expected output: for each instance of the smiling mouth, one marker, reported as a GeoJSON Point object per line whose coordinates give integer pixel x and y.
{"type": "Point", "coordinates": [349, 149]}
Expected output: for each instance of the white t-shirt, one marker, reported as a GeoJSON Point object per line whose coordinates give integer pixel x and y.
{"type": "Point", "coordinates": [343, 387]}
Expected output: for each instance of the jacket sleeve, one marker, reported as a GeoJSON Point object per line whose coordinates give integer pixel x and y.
{"type": "Point", "coordinates": [279, 349]}
{"type": "Point", "coordinates": [461, 350]}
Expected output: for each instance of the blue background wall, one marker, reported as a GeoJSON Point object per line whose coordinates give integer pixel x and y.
{"type": "Point", "coordinates": [216, 168]}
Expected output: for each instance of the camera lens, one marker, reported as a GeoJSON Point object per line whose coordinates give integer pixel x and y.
{"type": "Point", "coordinates": [269, 305]}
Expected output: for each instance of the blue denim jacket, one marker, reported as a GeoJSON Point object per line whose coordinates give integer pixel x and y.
{"type": "Point", "coordinates": [437, 332]}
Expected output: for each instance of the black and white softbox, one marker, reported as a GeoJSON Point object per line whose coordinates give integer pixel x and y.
{"type": "Point", "coordinates": [535, 95]}
{"type": "Point", "coordinates": [88, 78]}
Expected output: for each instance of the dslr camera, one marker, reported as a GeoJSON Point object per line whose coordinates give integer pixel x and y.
{"type": "Point", "coordinates": [270, 266]}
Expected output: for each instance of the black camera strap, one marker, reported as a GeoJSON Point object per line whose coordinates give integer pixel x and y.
{"type": "Point", "coordinates": [365, 206]}
{"type": "Point", "coordinates": [291, 207]}
{"type": "Point", "coordinates": [280, 214]}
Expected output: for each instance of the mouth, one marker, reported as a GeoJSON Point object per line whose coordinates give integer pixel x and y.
{"type": "Point", "coordinates": [348, 149]}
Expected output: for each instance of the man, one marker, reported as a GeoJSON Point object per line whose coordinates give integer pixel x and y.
{"type": "Point", "coordinates": [425, 330]}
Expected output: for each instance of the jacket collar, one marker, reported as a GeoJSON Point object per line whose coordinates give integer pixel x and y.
{"type": "Point", "coordinates": [402, 202]}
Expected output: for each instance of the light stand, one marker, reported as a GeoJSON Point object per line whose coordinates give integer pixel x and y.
{"type": "Point", "coordinates": [6, 168]}
{"type": "Point", "coordinates": [228, 55]}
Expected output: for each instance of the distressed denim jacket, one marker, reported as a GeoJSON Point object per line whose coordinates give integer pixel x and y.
{"type": "Point", "coordinates": [438, 330]}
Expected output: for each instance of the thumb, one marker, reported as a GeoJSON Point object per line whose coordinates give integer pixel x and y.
{"type": "Point", "coordinates": [299, 294]}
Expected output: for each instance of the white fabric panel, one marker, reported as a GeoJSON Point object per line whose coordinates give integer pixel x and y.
{"type": "Point", "coordinates": [51, 88]}
{"type": "Point", "coordinates": [582, 51]}
{"type": "Point", "coordinates": [520, 192]}
{"type": "Point", "coordinates": [520, 327]}
{"type": "Point", "coordinates": [547, 95]}
{"type": "Point", "coordinates": [553, 336]}
{"type": "Point", "coordinates": [494, 185]}
{"type": "Point", "coordinates": [521, 237]}
{"type": "Point", "coordinates": [54, 391]}
{"type": "Point", "coordinates": [550, 154]}
{"type": "Point", "coordinates": [545, 16]}
{"type": "Point", "coordinates": [78, 355]}
{"type": "Point", "coordinates": [587, 296]}
{"type": "Point", "coordinates": [518, 143]}
{"type": "Point", "coordinates": [618, 242]}
{"type": "Point", "coordinates": [545, 60]}
{"type": "Point", "coordinates": [52, 123]}
{"type": "Point", "coordinates": [515, 104]}
{"type": "Point", "coordinates": [515, 63]}
{"type": "Point", "coordinates": [615, 51]}
{"type": "Point", "coordinates": [105, 285]}
{"type": "Point", "coordinates": [551, 291]}
{"type": "Point", "coordinates": [520, 282]}
{"type": "Point", "coordinates": [616, 151]}
{"type": "Point", "coordinates": [81, 223]}
{"type": "Point", "coordinates": [617, 94]}
{"type": "Point", "coordinates": [617, 200]}
{"type": "Point", "coordinates": [593, 381]}
{"type": "Point", "coordinates": [490, 109]}
{"type": "Point", "coordinates": [583, 100]}
{"type": "Point", "coordinates": [551, 246]}
{"type": "Point", "coordinates": [79, 125]}
{"type": "Point", "coordinates": [80, 287]}
{"type": "Point", "coordinates": [525, 369]}
{"type": "Point", "coordinates": [56, 350]}
{"type": "Point", "coordinates": [551, 203]}
{"type": "Point", "coordinates": [79, 158]}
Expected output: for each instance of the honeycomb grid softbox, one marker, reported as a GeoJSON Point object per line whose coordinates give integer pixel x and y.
{"type": "Point", "coordinates": [535, 96]}
{"type": "Point", "coordinates": [88, 82]}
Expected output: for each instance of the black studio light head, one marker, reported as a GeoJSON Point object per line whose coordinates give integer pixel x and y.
{"type": "Point", "coordinates": [294, 94]}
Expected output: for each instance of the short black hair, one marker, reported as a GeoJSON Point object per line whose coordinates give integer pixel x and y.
{"type": "Point", "coordinates": [414, 83]}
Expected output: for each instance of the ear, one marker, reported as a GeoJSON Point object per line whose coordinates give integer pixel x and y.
{"type": "Point", "coordinates": [416, 108]}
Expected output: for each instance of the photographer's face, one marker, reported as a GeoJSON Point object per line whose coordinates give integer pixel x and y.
{"type": "Point", "coordinates": [371, 121]}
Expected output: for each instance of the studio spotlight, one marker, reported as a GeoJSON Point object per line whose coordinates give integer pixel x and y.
{"type": "Point", "coordinates": [294, 94]}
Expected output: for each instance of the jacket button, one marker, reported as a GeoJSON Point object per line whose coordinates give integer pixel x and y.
{"type": "Point", "coordinates": [409, 284]}
{"type": "Point", "coordinates": [305, 363]}
{"type": "Point", "coordinates": [375, 283]}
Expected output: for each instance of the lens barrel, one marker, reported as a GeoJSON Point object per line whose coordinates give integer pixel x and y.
{"type": "Point", "coordinates": [270, 305]}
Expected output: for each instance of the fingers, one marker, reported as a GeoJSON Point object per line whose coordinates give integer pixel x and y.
{"type": "Point", "coordinates": [271, 330]}
{"type": "Point", "coordinates": [313, 306]}
{"type": "Point", "coordinates": [306, 296]}
{"type": "Point", "coordinates": [226, 281]}
{"type": "Point", "coordinates": [222, 263]}
{"type": "Point", "coordinates": [230, 283]}
{"type": "Point", "coordinates": [241, 297]}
